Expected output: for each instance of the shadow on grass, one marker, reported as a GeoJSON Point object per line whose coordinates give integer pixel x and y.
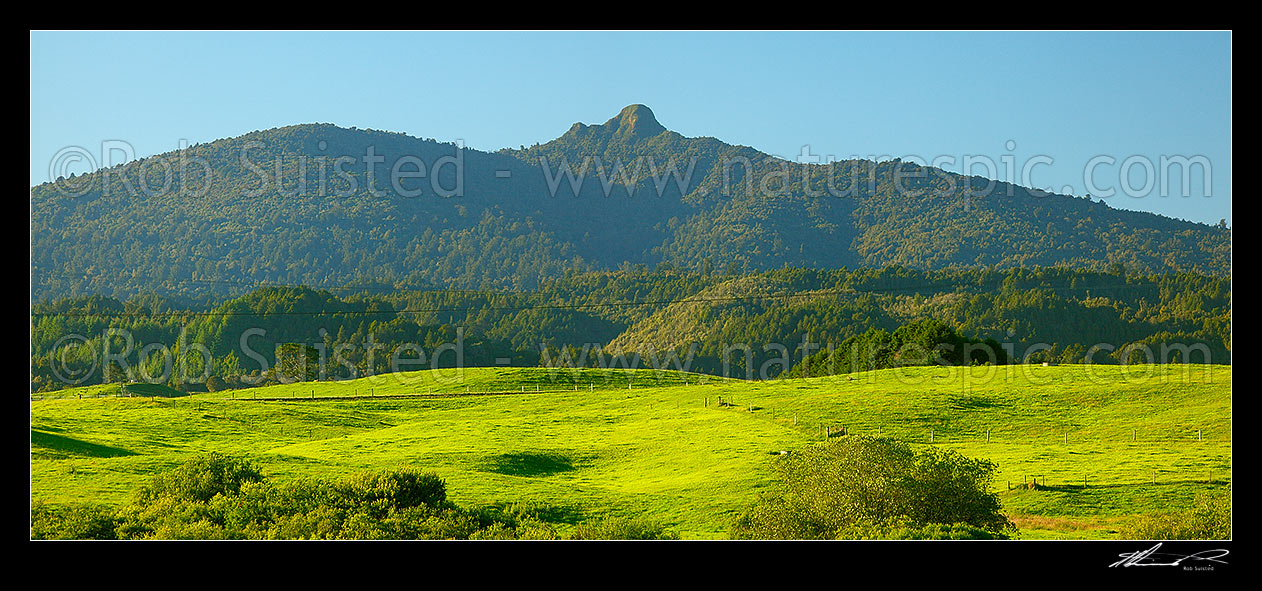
{"type": "Point", "coordinates": [973, 403]}
{"type": "Point", "coordinates": [528, 464]}
{"type": "Point", "coordinates": [60, 444]}
{"type": "Point", "coordinates": [1078, 488]}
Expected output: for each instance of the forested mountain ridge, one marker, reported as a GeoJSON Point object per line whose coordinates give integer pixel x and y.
{"type": "Point", "coordinates": [316, 204]}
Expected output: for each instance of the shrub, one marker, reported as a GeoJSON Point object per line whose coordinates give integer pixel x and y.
{"type": "Point", "coordinates": [218, 497]}
{"type": "Point", "coordinates": [864, 487]}
{"type": "Point", "coordinates": [72, 522]}
{"type": "Point", "coordinates": [201, 478]}
{"type": "Point", "coordinates": [394, 489]}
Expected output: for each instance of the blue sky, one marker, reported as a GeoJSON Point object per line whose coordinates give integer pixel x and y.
{"type": "Point", "coordinates": [1054, 103]}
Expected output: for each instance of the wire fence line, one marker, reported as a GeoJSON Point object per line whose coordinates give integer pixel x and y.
{"type": "Point", "coordinates": [1048, 481]}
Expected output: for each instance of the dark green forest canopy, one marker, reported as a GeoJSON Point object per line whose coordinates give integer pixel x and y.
{"type": "Point", "coordinates": [279, 207]}
{"type": "Point", "coordinates": [1042, 314]}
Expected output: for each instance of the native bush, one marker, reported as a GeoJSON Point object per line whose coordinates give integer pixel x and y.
{"type": "Point", "coordinates": [201, 478]}
{"type": "Point", "coordinates": [72, 522]}
{"type": "Point", "coordinates": [865, 487]}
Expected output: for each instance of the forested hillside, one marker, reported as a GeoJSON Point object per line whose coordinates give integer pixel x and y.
{"type": "Point", "coordinates": [318, 205]}
{"type": "Point", "coordinates": [747, 326]}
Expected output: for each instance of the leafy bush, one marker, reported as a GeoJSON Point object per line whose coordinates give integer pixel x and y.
{"type": "Point", "coordinates": [201, 478]}
{"type": "Point", "coordinates": [72, 522]}
{"type": "Point", "coordinates": [218, 497]}
{"type": "Point", "coordinates": [396, 489]}
{"type": "Point", "coordinates": [865, 487]}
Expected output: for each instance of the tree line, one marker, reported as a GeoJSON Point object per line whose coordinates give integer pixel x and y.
{"type": "Point", "coordinates": [757, 325]}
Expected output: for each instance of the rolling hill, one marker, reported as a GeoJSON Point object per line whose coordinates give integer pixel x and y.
{"type": "Point", "coordinates": [1105, 443]}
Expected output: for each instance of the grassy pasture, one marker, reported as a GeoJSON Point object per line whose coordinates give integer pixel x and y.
{"type": "Point", "coordinates": [587, 444]}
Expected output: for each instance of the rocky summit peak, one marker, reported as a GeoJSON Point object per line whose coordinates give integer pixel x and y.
{"type": "Point", "coordinates": [636, 120]}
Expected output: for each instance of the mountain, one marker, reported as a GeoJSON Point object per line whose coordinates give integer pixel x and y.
{"type": "Point", "coordinates": [322, 205]}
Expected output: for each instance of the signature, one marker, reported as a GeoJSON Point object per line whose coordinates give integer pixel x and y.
{"type": "Point", "coordinates": [1151, 557]}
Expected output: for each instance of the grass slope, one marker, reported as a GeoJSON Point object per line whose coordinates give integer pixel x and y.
{"type": "Point", "coordinates": [587, 444]}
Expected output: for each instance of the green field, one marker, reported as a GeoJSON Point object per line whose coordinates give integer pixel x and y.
{"type": "Point", "coordinates": [658, 445]}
